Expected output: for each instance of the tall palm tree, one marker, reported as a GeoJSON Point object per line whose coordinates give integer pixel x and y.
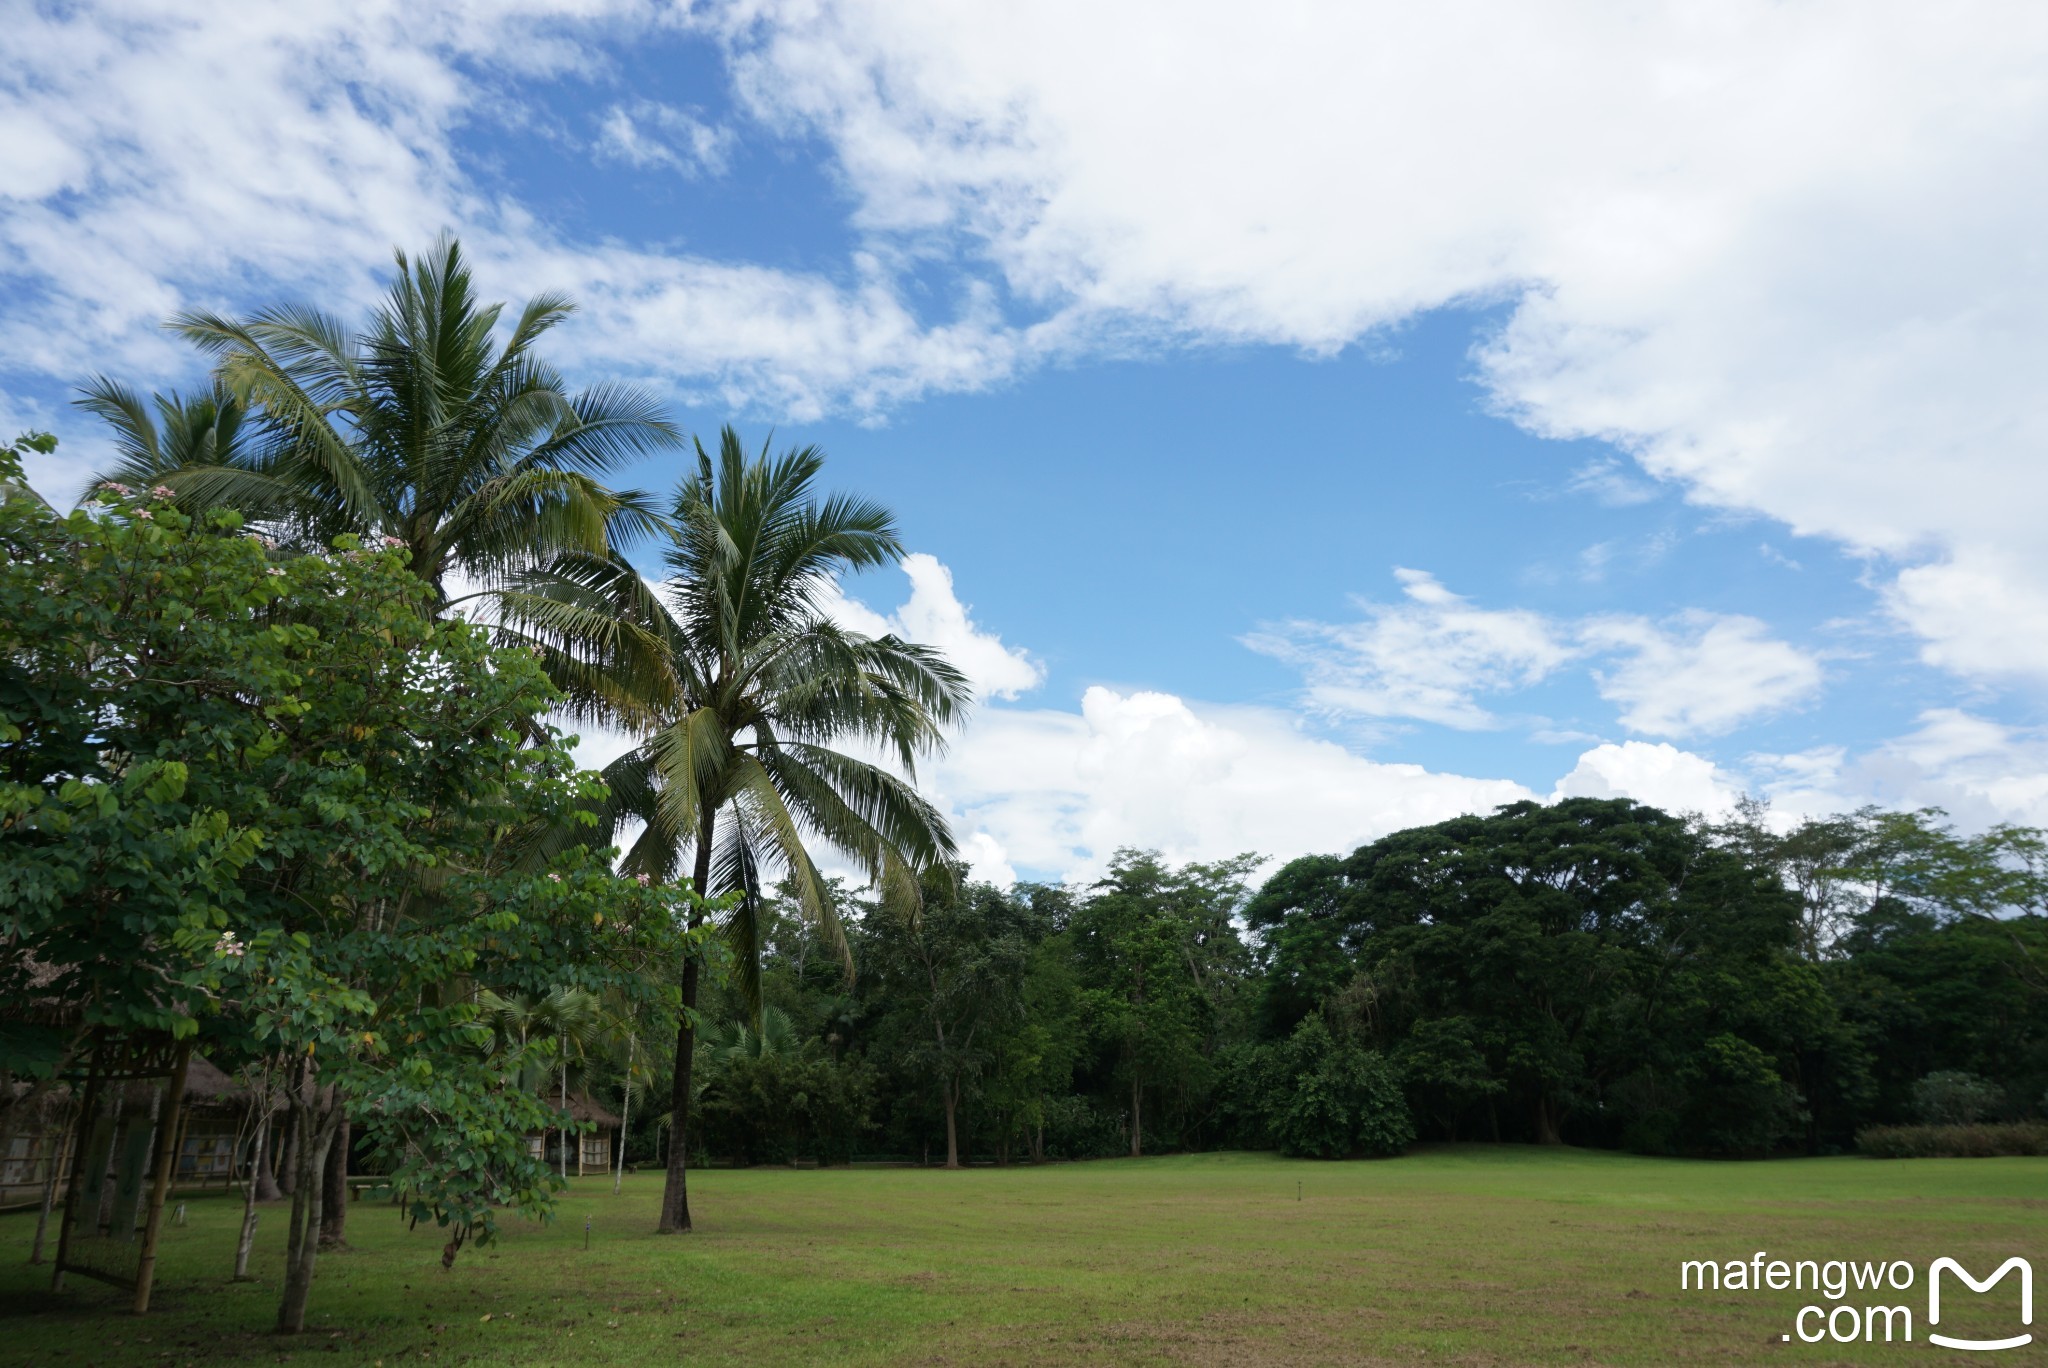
{"type": "Point", "coordinates": [744, 693]}
{"type": "Point", "coordinates": [474, 456]}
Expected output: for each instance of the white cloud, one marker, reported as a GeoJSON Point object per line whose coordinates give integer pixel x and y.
{"type": "Point", "coordinates": [1611, 483]}
{"type": "Point", "coordinates": [1433, 656]}
{"type": "Point", "coordinates": [160, 157]}
{"type": "Point", "coordinates": [1712, 674]}
{"type": "Point", "coordinates": [648, 133]}
{"type": "Point", "coordinates": [1428, 658]}
{"type": "Point", "coordinates": [934, 616]}
{"type": "Point", "coordinates": [1655, 773]}
{"type": "Point", "coordinates": [1980, 771]}
{"type": "Point", "coordinates": [1055, 793]}
{"type": "Point", "coordinates": [1982, 612]}
{"type": "Point", "coordinates": [1785, 254]}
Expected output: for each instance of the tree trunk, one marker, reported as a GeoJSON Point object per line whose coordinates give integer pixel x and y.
{"type": "Point", "coordinates": [1038, 1143]}
{"type": "Point", "coordinates": [334, 1194]}
{"type": "Point", "coordinates": [564, 1152]}
{"type": "Point", "coordinates": [1547, 1132]}
{"type": "Point", "coordinates": [258, 1171]}
{"type": "Point", "coordinates": [1137, 1119]}
{"type": "Point", "coordinates": [267, 1189]}
{"type": "Point", "coordinates": [951, 1092]}
{"type": "Point", "coordinates": [319, 1114]}
{"type": "Point", "coordinates": [675, 1192]}
{"type": "Point", "coordinates": [625, 1114]}
{"type": "Point", "coordinates": [288, 1167]}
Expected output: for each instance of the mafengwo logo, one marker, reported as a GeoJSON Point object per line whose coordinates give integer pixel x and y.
{"type": "Point", "coordinates": [1880, 1314]}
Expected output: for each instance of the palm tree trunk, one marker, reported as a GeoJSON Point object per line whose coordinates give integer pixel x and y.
{"type": "Point", "coordinates": [563, 1153]}
{"type": "Point", "coordinates": [952, 1096]}
{"type": "Point", "coordinates": [675, 1192]}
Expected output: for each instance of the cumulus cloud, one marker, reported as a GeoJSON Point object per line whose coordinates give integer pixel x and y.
{"type": "Point", "coordinates": [1980, 771]}
{"type": "Point", "coordinates": [1783, 254]}
{"type": "Point", "coordinates": [1706, 676]}
{"type": "Point", "coordinates": [1057, 792]}
{"type": "Point", "coordinates": [161, 158]}
{"type": "Point", "coordinates": [1433, 656]}
{"type": "Point", "coordinates": [934, 616]}
{"type": "Point", "coordinates": [1655, 773]}
{"type": "Point", "coordinates": [1052, 792]}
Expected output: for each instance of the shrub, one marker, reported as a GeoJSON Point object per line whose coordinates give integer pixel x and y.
{"type": "Point", "coordinates": [1075, 1129]}
{"type": "Point", "coordinates": [1954, 1142]}
{"type": "Point", "coordinates": [1951, 1097]}
{"type": "Point", "coordinates": [1338, 1099]}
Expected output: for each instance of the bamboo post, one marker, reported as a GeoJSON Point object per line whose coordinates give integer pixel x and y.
{"type": "Point", "coordinates": [166, 1157]}
{"type": "Point", "coordinates": [88, 1105]}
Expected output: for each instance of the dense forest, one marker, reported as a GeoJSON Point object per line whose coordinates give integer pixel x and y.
{"type": "Point", "coordinates": [1593, 972]}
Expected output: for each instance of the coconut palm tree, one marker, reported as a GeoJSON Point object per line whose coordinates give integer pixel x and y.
{"type": "Point", "coordinates": [754, 710]}
{"type": "Point", "coordinates": [422, 429]}
{"type": "Point", "coordinates": [168, 433]}
{"type": "Point", "coordinates": [570, 1021]}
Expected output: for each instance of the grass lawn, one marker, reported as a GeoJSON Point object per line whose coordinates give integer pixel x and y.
{"type": "Point", "coordinates": [1465, 1254]}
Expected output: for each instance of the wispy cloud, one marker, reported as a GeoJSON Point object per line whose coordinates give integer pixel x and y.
{"type": "Point", "coordinates": [647, 133]}
{"type": "Point", "coordinates": [1435, 656]}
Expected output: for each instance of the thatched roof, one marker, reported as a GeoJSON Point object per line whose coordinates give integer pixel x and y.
{"type": "Point", "coordinates": [583, 1109]}
{"type": "Point", "coordinates": [205, 1084]}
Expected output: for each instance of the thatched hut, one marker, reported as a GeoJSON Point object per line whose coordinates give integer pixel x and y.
{"type": "Point", "coordinates": [589, 1146]}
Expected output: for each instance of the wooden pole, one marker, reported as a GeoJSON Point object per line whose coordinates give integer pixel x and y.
{"type": "Point", "coordinates": [88, 1106]}
{"type": "Point", "coordinates": [167, 1133]}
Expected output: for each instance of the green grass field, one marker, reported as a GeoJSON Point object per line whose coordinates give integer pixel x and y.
{"type": "Point", "coordinates": [1468, 1254]}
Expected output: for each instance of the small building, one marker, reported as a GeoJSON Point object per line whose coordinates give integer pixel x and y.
{"type": "Point", "coordinates": [589, 1146]}
{"type": "Point", "coordinates": [39, 1149]}
{"type": "Point", "coordinates": [215, 1138]}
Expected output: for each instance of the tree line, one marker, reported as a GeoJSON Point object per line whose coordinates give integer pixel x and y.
{"type": "Point", "coordinates": [1592, 972]}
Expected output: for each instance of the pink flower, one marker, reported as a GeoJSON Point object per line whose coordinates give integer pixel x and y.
{"type": "Point", "coordinates": [276, 572]}
{"type": "Point", "coordinates": [116, 486]}
{"type": "Point", "coordinates": [644, 881]}
{"type": "Point", "coordinates": [144, 513]}
{"type": "Point", "coordinates": [554, 878]}
{"type": "Point", "coordinates": [163, 492]}
{"type": "Point", "coordinates": [394, 542]}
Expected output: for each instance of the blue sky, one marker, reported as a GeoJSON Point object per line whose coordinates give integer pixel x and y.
{"type": "Point", "coordinates": [1308, 423]}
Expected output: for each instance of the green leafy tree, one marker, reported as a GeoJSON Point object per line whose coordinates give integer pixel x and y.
{"type": "Point", "coordinates": [278, 792]}
{"type": "Point", "coordinates": [1586, 959]}
{"type": "Point", "coordinates": [1333, 1099]}
{"type": "Point", "coordinates": [955, 977]}
{"type": "Point", "coordinates": [1160, 956]}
